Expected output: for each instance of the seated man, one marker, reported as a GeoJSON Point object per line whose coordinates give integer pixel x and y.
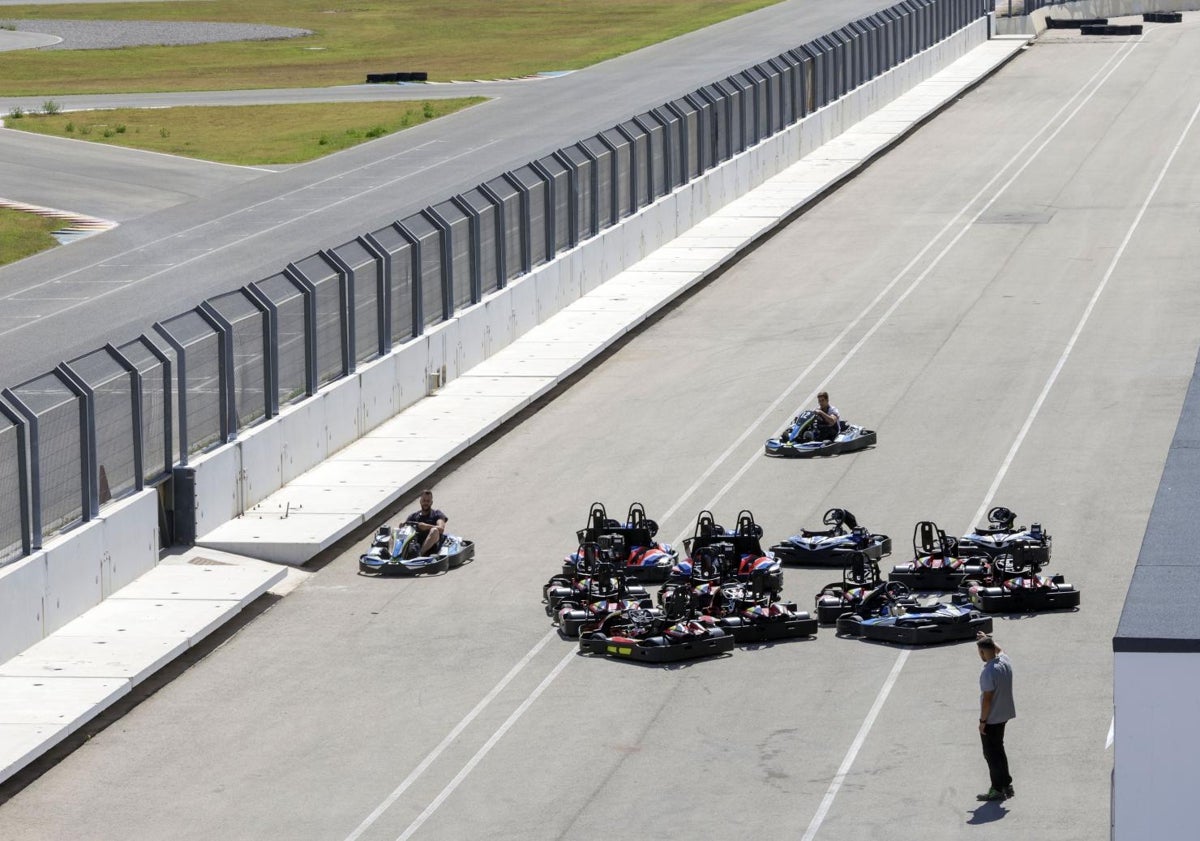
{"type": "Point", "coordinates": [429, 522]}
{"type": "Point", "coordinates": [828, 418]}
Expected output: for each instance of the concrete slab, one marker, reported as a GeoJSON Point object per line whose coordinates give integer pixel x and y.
{"type": "Point", "coordinates": [189, 619]}
{"type": "Point", "coordinates": [210, 579]}
{"type": "Point", "coordinates": [20, 744]}
{"type": "Point", "coordinates": [66, 702]}
{"type": "Point", "coordinates": [114, 656]}
{"type": "Point", "coordinates": [394, 448]}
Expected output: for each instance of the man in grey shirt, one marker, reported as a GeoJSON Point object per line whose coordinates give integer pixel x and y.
{"type": "Point", "coordinates": [996, 708]}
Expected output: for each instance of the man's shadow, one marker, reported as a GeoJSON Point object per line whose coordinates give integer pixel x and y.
{"type": "Point", "coordinates": [993, 810]}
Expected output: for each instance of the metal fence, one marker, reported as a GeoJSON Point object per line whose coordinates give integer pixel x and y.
{"type": "Point", "coordinates": [103, 426]}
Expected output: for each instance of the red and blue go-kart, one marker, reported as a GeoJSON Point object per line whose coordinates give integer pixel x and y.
{"type": "Point", "coordinates": [860, 578]}
{"type": "Point", "coordinates": [640, 636]}
{"type": "Point", "coordinates": [646, 560]}
{"type": "Point", "coordinates": [803, 439]}
{"type": "Point", "coordinates": [397, 552]}
{"type": "Point", "coordinates": [740, 550]}
{"type": "Point", "coordinates": [828, 547]}
{"type": "Point", "coordinates": [1014, 584]}
{"type": "Point", "coordinates": [936, 565]}
{"type": "Point", "coordinates": [749, 610]}
{"type": "Point", "coordinates": [599, 575]}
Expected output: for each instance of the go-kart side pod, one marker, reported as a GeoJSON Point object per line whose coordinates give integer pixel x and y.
{"type": "Point", "coordinates": [428, 565]}
{"type": "Point", "coordinates": [916, 628]}
{"type": "Point", "coordinates": [1056, 594]}
{"type": "Point", "coordinates": [657, 649]}
{"type": "Point", "coordinates": [751, 629]}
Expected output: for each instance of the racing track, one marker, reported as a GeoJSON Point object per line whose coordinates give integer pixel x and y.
{"type": "Point", "coordinates": [1007, 297]}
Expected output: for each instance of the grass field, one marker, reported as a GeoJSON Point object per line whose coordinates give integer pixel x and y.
{"type": "Point", "coordinates": [456, 39]}
{"type": "Point", "coordinates": [22, 234]}
{"type": "Point", "coordinates": [248, 135]}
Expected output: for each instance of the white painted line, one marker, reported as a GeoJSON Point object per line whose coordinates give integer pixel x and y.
{"type": "Point", "coordinates": [1112, 725]}
{"type": "Point", "coordinates": [855, 746]}
{"type": "Point", "coordinates": [452, 735]}
{"type": "Point", "coordinates": [573, 654]}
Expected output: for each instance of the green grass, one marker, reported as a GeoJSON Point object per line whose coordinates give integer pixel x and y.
{"type": "Point", "coordinates": [455, 39]}
{"type": "Point", "coordinates": [249, 134]}
{"type": "Point", "coordinates": [22, 234]}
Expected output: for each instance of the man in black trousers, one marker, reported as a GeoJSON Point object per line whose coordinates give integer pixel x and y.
{"type": "Point", "coordinates": [996, 709]}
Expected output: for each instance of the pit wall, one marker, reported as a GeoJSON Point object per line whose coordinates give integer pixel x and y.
{"type": "Point", "coordinates": [1155, 761]}
{"type": "Point", "coordinates": [1035, 23]}
{"type": "Point", "coordinates": [78, 569]}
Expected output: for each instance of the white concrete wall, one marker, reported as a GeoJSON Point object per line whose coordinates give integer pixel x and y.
{"type": "Point", "coordinates": [1155, 695]}
{"type": "Point", "coordinates": [76, 570]}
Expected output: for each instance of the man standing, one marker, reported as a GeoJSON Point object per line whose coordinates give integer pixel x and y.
{"type": "Point", "coordinates": [996, 708]}
{"type": "Point", "coordinates": [430, 522]}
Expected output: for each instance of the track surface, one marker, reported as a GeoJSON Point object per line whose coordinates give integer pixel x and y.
{"type": "Point", "coordinates": [1008, 298]}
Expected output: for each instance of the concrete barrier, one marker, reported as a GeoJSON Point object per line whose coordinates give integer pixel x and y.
{"type": "Point", "coordinates": [1035, 23]}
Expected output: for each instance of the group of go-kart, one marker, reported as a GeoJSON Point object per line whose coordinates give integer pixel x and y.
{"type": "Point", "coordinates": [727, 590]}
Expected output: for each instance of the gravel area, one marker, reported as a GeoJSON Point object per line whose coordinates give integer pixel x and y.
{"type": "Point", "coordinates": [105, 35]}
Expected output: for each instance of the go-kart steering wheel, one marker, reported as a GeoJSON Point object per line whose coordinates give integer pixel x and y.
{"type": "Point", "coordinates": [896, 590]}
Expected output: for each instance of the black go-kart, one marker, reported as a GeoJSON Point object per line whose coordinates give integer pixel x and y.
{"type": "Point", "coordinates": [598, 594]}
{"type": "Point", "coordinates": [860, 578]}
{"type": "Point", "coordinates": [936, 565]}
{"type": "Point", "coordinates": [1002, 535]}
{"type": "Point", "coordinates": [890, 613]}
{"type": "Point", "coordinates": [803, 439]}
{"type": "Point", "coordinates": [598, 575]}
{"type": "Point", "coordinates": [741, 547]}
{"type": "Point", "coordinates": [750, 610]}
{"type": "Point", "coordinates": [398, 552]}
{"type": "Point", "coordinates": [1014, 584]}
{"type": "Point", "coordinates": [639, 635]}
{"type": "Point", "coordinates": [647, 560]}
{"type": "Point", "coordinates": [829, 547]}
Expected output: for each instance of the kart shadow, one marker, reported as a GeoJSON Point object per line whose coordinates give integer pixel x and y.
{"type": "Point", "coordinates": [898, 645]}
{"type": "Point", "coordinates": [669, 667]}
{"type": "Point", "coordinates": [988, 812]}
{"type": "Point", "coordinates": [1032, 614]}
{"type": "Point", "coordinates": [761, 645]}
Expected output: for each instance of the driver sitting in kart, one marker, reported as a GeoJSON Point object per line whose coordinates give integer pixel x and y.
{"type": "Point", "coordinates": [828, 418]}
{"type": "Point", "coordinates": [428, 521]}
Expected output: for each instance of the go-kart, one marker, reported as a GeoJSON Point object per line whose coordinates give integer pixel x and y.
{"type": "Point", "coordinates": [829, 547]}
{"type": "Point", "coordinates": [598, 575]}
{"type": "Point", "coordinates": [1014, 584]}
{"type": "Point", "coordinates": [590, 598]}
{"type": "Point", "coordinates": [936, 564]}
{"type": "Point", "coordinates": [750, 610]}
{"type": "Point", "coordinates": [640, 635]}
{"type": "Point", "coordinates": [892, 614]}
{"type": "Point", "coordinates": [647, 560]}
{"type": "Point", "coordinates": [1002, 534]}
{"type": "Point", "coordinates": [396, 552]}
{"type": "Point", "coordinates": [741, 550]}
{"type": "Point", "coordinates": [860, 578]}
{"type": "Point", "coordinates": [803, 439]}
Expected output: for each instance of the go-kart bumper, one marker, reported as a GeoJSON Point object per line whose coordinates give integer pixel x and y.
{"type": "Point", "coordinates": [375, 565]}
{"type": "Point", "coordinates": [745, 630]}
